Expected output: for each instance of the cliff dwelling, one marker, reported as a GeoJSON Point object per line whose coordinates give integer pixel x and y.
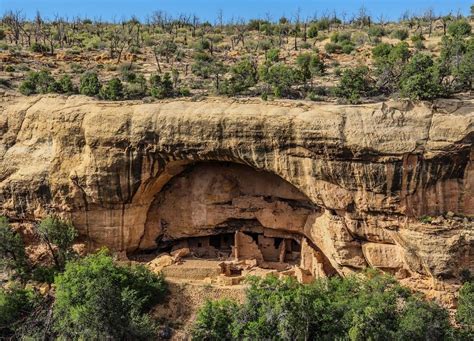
{"type": "Point", "coordinates": [234, 214]}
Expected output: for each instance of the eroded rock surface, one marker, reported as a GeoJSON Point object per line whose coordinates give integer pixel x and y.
{"type": "Point", "coordinates": [353, 180]}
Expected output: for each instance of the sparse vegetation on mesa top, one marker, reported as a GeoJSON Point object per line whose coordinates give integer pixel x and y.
{"type": "Point", "coordinates": [419, 56]}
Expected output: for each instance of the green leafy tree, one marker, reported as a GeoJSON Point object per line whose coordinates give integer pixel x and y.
{"type": "Point", "coordinates": [400, 34]}
{"type": "Point", "coordinates": [309, 65]}
{"type": "Point", "coordinates": [354, 83]}
{"type": "Point", "coordinates": [313, 31]}
{"type": "Point", "coordinates": [373, 307]}
{"type": "Point", "coordinates": [112, 91]}
{"type": "Point", "coordinates": [161, 87]}
{"type": "Point", "coordinates": [65, 85]}
{"type": "Point", "coordinates": [214, 321]}
{"type": "Point", "coordinates": [59, 236]}
{"type": "Point", "coordinates": [421, 320]}
{"type": "Point", "coordinates": [16, 304]}
{"type": "Point", "coordinates": [389, 61]}
{"type": "Point", "coordinates": [459, 28]}
{"type": "Point", "coordinates": [455, 63]}
{"type": "Point", "coordinates": [243, 75]}
{"type": "Point", "coordinates": [272, 55]}
{"type": "Point", "coordinates": [89, 84]}
{"type": "Point", "coordinates": [12, 250]}
{"type": "Point", "coordinates": [38, 82]}
{"type": "Point", "coordinates": [97, 299]}
{"type": "Point", "coordinates": [465, 312]}
{"type": "Point", "coordinates": [420, 78]}
{"type": "Point", "coordinates": [280, 78]}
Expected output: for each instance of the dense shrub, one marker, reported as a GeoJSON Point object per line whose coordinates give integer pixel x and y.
{"type": "Point", "coordinates": [375, 307]}
{"type": "Point", "coordinates": [332, 48]}
{"type": "Point", "coordinates": [16, 304]}
{"type": "Point", "coordinates": [459, 28]}
{"type": "Point", "coordinates": [12, 250]}
{"type": "Point", "coordinates": [455, 63]}
{"type": "Point", "coordinates": [376, 31]}
{"type": "Point", "coordinates": [389, 61]}
{"type": "Point", "coordinates": [313, 31]}
{"type": "Point", "coordinates": [38, 82]}
{"type": "Point", "coordinates": [59, 236]}
{"type": "Point", "coordinates": [309, 65]}
{"type": "Point", "coordinates": [112, 91]}
{"type": "Point", "coordinates": [465, 312]}
{"type": "Point", "coordinates": [280, 78]}
{"type": "Point", "coordinates": [161, 87]}
{"type": "Point", "coordinates": [38, 48]}
{"type": "Point", "coordinates": [354, 84]}
{"type": "Point", "coordinates": [420, 78]}
{"type": "Point", "coordinates": [89, 84]}
{"type": "Point", "coordinates": [214, 320]}
{"type": "Point", "coordinates": [400, 34]}
{"type": "Point", "coordinates": [137, 88]}
{"type": "Point", "coordinates": [65, 85]}
{"type": "Point", "coordinates": [97, 299]}
{"type": "Point", "coordinates": [243, 75]}
{"type": "Point", "coordinates": [340, 37]}
{"type": "Point", "coordinates": [272, 55]}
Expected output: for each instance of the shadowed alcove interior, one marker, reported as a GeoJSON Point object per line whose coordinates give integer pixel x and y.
{"type": "Point", "coordinates": [225, 210]}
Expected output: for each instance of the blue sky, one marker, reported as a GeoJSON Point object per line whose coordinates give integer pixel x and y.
{"type": "Point", "coordinates": [208, 9]}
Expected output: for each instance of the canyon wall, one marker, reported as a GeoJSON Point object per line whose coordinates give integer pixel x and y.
{"type": "Point", "coordinates": [372, 173]}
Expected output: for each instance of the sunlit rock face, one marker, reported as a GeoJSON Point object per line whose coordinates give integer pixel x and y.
{"type": "Point", "coordinates": [353, 180]}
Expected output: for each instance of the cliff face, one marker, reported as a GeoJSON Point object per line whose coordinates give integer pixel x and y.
{"type": "Point", "coordinates": [354, 180]}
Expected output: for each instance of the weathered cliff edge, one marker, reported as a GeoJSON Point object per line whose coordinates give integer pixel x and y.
{"type": "Point", "coordinates": [371, 170]}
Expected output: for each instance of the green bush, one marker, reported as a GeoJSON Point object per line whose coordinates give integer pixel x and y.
{"type": "Point", "coordinates": [400, 34]}
{"type": "Point", "coordinates": [421, 320]}
{"type": "Point", "coordinates": [280, 78]}
{"type": "Point", "coordinates": [465, 312]}
{"type": "Point", "coordinates": [161, 87]}
{"type": "Point", "coordinates": [2, 34]}
{"type": "Point", "coordinates": [309, 65]}
{"type": "Point", "coordinates": [347, 47]}
{"type": "Point", "coordinates": [313, 31]}
{"type": "Point", "coordinates": [38, 48]}
{"type": "Point", "coordinates": [376, 31]}
{"type": "Point", "coordinates": [97, 299]}
{"type": "Point", "coordinates": [420, 78]}
{"type": "Point", "coordinates": [112, 91]}
{"type": "Point", "coordinates": [354, 83]}
{"type": "Point", "coordinates": [9, 68]}
{"type": "Point", "coordinates": [15, 305]}
{"type": "Point", "coordinates": [89, 84]}
{"type": "Point", "coordinates": [459, 28]}
{"type": "Point", "coordinates": [214, 320]}
{"type": "Point", "coordinates": [137, 88]}
{"type": "Point", "coordinates": [65, 84]}
{"type": "Point", "coordinates": [333, 48]}
{"type": "Point", "coordinates": [38, 82]}
{"type": "Point", "coordinates": [12, 250]}
{"type": "Point", "coordinates": [455, 63]}
{"type": "Point", "coordinates": [374, 307]}
{"type": "Point", "coordinates": [243, 75]}
{"type": "Point", "coordinates": [59, 236]}
{"type": "Point", "coordinates": [340, 37]}
{"type": "Point", "coordinates": [272, 55]}
{"type": "Point", "coordinates": [27, 87]}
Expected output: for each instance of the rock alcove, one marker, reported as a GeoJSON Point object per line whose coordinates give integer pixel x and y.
{"type": "Point", "coordinates": [229, 211]}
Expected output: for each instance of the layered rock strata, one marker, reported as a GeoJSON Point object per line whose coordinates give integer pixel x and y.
{"type": "Point", "coordinates": [388, 185]}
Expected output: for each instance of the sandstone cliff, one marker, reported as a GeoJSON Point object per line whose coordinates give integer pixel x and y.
{"type": "Point", "coordinates": [368, 172]}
